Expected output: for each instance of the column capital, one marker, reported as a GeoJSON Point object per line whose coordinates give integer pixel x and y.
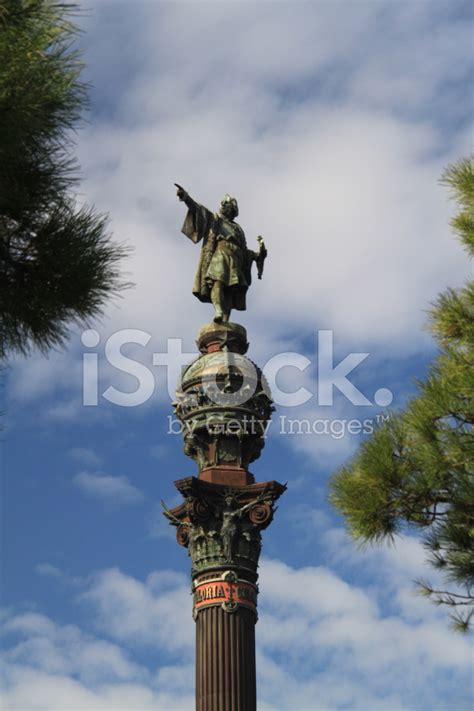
{"type": "Point", "coordinates": [221, 525]}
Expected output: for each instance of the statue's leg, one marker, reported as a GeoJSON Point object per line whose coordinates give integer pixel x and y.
{"type": "Point", "coordinates": [226, 304]}
{"type": "Point", "coordinates": [217, 298]}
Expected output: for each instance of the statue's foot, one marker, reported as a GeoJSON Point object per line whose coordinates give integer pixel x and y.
{"type": "Point", "coordinates": [218, 318]}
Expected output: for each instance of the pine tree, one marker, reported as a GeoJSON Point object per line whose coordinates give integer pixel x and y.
{"type": "Point", "coordinates": [417, 469]}
{"type": "Point", "coordinates": [58, 265]}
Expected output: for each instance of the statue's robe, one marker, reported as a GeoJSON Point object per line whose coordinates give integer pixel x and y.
{"type": "Point", "coordinates": [224, 255]}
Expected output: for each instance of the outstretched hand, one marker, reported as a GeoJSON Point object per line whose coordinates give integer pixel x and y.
{"type": "Point", "coordinates": [180, 192]}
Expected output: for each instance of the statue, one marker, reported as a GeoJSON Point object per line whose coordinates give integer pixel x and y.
{"type": "Point", "coordinates": [224, 271]}
{"type": "Point", "coordinates": [231, 518]}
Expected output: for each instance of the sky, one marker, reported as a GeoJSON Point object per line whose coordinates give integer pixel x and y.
{"type": "Point", "coordinates": [331, 122]}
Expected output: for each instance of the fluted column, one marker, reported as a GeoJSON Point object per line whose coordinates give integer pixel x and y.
{"type": "Point", "coordinates": [225, 660]}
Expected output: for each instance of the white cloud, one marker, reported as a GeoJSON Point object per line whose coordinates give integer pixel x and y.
{"type": "Point", "coordinates": [31, 690]}
{"type": "Point", "coordinates": [65, 650]}
{"type": "Point", "coordinates": [331, 130]}
{"type": "Point", "coordinates": [32, 377]}
{"type": "Point", "coordinates": [345, 191]}
{"type": "Point", "coordinates": [352, 189]}
{"type": "Point", "coordinates": [390, 569]}
{"type": "Point", "coordinates": [327, 640]}
{"type": "Point", "coordinates": [65, 411]}
{"type": "Point", "coordinates": [110, 489]}
{"type": "Point", "coordinates": [155, 612]}
{"type": "Point", "coordinates": [86, 456]}
{"type": "Point", "coordinates": [51, 666]}
{"type": "Point", "coordinates": [48, 570]}
{"type": "Point", "coordinates": [322, 643]}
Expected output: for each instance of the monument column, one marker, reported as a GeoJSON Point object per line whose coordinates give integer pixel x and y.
{"type": "Point", "coordinates": [225, 660]}
{"type": "Point", "coordinates": [224, 405]}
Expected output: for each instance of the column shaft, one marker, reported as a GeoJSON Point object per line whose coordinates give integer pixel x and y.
{"type": "Point", "coordinates": [225, 660]}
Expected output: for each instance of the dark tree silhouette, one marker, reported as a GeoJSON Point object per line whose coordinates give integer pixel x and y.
{"type": "Point", "coordinates": [58, 264]}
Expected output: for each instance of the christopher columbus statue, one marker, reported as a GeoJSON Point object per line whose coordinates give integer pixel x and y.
{"type": "Point", "coordinates": [224, 271]}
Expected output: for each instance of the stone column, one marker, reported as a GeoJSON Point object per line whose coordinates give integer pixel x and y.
{"type": "Point", "coordinates": [225, 660]}
{"type": "Point", "coordinates": [224, 405]}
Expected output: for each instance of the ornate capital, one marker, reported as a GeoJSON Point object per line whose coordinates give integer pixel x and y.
{"type": "Point", "coordinates": [221, 526]}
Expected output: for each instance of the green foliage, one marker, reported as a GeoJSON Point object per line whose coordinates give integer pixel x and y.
{"type": "Point", "coordinates": [57, 262]}
{"type": "Point", "coordinates": [417, 469]}
{"type": "Point", "coordinates": [459, 179]}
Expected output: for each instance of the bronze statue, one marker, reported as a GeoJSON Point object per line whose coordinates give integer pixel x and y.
{"type": "Point", "coordinates": [230, 526]}
{"type": "Point", "coordinates": [224, 271]}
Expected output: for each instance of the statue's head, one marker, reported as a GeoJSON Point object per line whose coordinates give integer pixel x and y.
{"type": "Point", "coordinates": [229, 207]}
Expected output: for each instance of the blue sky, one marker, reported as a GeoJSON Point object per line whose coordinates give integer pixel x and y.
{"type": "Point", "coordinates": [331, 122]}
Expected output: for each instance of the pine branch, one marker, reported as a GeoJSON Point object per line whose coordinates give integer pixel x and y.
{"type": "Point", "coordinates": [58, 264]}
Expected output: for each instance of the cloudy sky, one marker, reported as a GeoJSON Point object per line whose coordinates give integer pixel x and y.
{"type": "Point", "coordinates": [331, 123]}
